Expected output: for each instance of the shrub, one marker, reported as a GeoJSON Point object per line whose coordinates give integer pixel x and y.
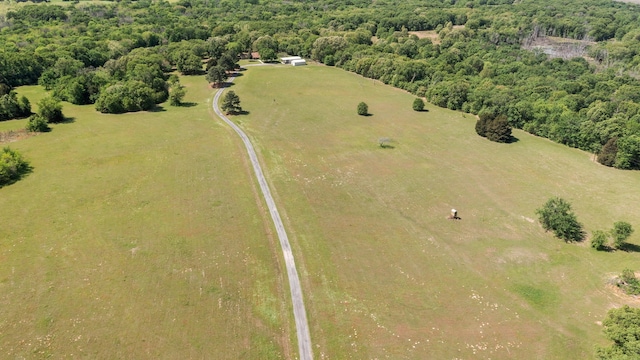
{"type": "Point", "coordinates": [50, 109]}
{"type": "Point", "coordinates": [37, 123]}
{"type": "Point", "coordinates": [418, 104]}
{"type": "Point", "coordinates": [12, 166]}
{"type": "Point", "coordinates": [363, 109]}
{"type": "Point", "coordinates": [607, 155]}
{"type": "Point", "coordinates": [494, 128]}
{"type": "Point", "coordinates": [556, 215]}
{"type": "Point", "coordinates": [629, 283]}
{"type": "Point", "coordinates": [620, 233]}
{"type": "Point", "coordinates": [598, 239]}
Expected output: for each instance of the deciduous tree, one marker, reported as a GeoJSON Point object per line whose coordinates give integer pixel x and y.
{"type": "Point", "coordinates": [556, 215]}
{"type": "Point", "coordinates": [620, 233]}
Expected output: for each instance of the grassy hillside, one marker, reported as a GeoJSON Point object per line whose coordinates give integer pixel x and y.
{"type": "Point", "coordinates": [138, 236]}
{"type": "Point", "coordinates": [386, 274]}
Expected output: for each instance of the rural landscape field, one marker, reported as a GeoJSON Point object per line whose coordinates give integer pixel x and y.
{"type": "Point", "coordinates": [267, 179]}
{"type": "Point", "coordinates": [142, 235]}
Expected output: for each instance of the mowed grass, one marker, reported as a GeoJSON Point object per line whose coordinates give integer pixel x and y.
{"type": "Point", "coordinates": [385, 274]}
{"type": "Point", "coordinates": [138, 236]}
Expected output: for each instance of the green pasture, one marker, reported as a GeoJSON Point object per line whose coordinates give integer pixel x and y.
{"type": "Point", "coordinates": [385, 274]}
{"type": "Point", "coordinates": [138, 236]}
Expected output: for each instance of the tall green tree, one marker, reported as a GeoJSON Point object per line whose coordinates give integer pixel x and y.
{"type": "Point", "coordinates": [216, 75]}
{"type": "Point", "coordinates": [231, 103]}
{"type": "Point", "coordinates": [556, 215]}
{"type": "Point", "coordinates": [176, 94]}
{"type": "Point", "coordinates": [620, 233]}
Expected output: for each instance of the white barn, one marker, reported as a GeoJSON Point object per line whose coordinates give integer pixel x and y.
{"type": "Point", "coordinates": [289, 59]}
{"type": "Point", "coordinates": [298, 62]}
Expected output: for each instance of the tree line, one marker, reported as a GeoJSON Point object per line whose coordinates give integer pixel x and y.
{"type": "Point", "coordinates": [118, 55]}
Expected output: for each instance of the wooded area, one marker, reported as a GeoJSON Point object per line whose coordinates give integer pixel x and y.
{"type": "Point", "coordinates": [116, 55]}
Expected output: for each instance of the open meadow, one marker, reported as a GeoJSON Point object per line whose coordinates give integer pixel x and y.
{"type": "Point", "coordinates": [138, 236]}
{"type": "Point", "coordinates": [385, 274]}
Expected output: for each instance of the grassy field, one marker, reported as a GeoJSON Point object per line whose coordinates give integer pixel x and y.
{"type": "Point", "coordinates": [386, 274]}
{"type": "Point", "coordinates": [138, 236]}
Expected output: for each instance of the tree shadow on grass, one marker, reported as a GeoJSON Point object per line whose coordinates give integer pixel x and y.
{"type": "Point", "coordinates": [187, 104]}
{"type": "Point", "coordinates": [66, 120]}
{"type": "Point", "coordinates": [157, 108]}
{"type": "Point", "coordinates": [630, 247]}
{"type": "Point", "coordinates": [236, 113]}
{"type": "Point", "coordinates": [512, 140]}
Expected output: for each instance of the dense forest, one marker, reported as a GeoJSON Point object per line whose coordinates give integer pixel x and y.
{"type": "Point", "coordinates": [475, 56]}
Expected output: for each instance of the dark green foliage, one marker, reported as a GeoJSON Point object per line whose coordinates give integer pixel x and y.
{"type": "Point", "coordinates": [267, 46]}
{"type": "Point", "coordinates": [38, 13]}
{"type": "Point", "coordinates": [129, 96]}
{"type": "Point", "coordinates": [231, 103]}
{"type": "Point", "coordinates": [50, 109]}
{"type": "Point", "coordinates": [620, 233]}
{"type": "Point", "coordinates": [622, 326]}
{"type": "Point", "coordinates": [607, 155]}
{"type": "Point", "coordinates": [556, 215]}
{"type": "Point", "coordinates": [12, 166]}
{"type": "Point", "coordinates": [499, 130]}
{"type": "Point", "coordinates": [418, 104]}
{"type": "Point", "coordinates": [484, 119]}
{"type": "Point", "coordinates": [598, 240]}
{"type": "Point", "coordinates": [363, 109]}
{"type": "Point", "coordinates": [12, 107]}
{"type": "Point", "coordinates": [216, 75]}
{"type": "Point", "coordinates": [37, 123]}
{"type": "Point", "coordinates": [628, 156]}
{"type": "Point", "coordinates": [494, 128]}
{"type": "Point", "coordinates": [188, 63]}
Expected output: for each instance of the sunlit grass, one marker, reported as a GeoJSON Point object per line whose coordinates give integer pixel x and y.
{"type": "Point", "coordinates": [386, 274]}
{"type": "Point", "coordinates": [139, 236]}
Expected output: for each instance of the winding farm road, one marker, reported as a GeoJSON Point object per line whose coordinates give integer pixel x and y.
{"type": "Point", "coordinates": [299, 312]}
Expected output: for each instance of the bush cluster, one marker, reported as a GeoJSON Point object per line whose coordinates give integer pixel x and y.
{"type": "Point", "coordinates": [12, 166]}
{"type": "Point", "coordinates": [494, 128]}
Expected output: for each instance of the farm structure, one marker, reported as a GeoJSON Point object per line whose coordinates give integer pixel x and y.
{"type": "Point", "coordinates": [289, 59]}
{"type": "Point", "coordinates": [299, 62]}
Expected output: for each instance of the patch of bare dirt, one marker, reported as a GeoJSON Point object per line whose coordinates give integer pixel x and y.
{"type": "Point", "coordinates": [612, 288]}
{"type": "Point", "coordinates": [14, 135]}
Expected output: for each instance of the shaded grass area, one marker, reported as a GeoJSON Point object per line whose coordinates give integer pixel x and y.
{"type": "Point", "coordinates": [386, 274]}
{"type": "Point", "coordinates": [138, 236]}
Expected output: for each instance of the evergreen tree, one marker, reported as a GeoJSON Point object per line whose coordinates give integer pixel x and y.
{"type": "Point", "coordinates": [231, 103]}
{"type": "Point", "coordinates": [418, 104]}
{"type": "Point", "coordinates": [363, 109]}
{"type": "Point", "coordinates": [607, 155]}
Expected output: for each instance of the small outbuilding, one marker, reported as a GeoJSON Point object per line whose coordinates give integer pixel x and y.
{"type": "Point", "coordinates": [289, 59]}
{"type": "Point", "coordinates": [298, 62]}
